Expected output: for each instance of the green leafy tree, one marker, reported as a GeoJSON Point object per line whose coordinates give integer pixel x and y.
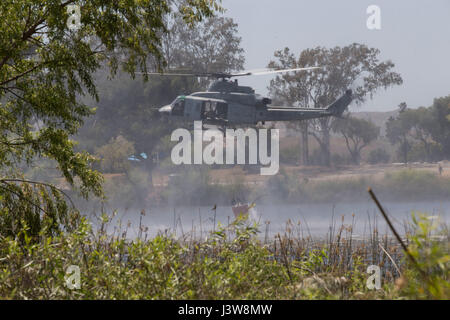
{"type": "Point", "coordinates": [358, 133]}
{"type": "Point", "coordinates": [397, 131]}
{"type": "Point", "coordinates": [211, 46]}
{"type": "Point", "coordinates": [439, 126]}
{"type": "Point", "coordinates": [114, 155]}
{"type": "Point", "coordinates": [416, 129]}
{"type": "Point", "coordinates": [46, 66]}
{"type": "Point", "coordinates": [354, 66]}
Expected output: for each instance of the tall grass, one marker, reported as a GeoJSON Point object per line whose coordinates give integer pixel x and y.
{"type": "Point", "coordinates": [231, 262]}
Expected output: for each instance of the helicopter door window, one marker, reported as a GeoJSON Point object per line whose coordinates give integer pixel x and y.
{"type": "Point", "coordinates": [178, 108]}
{"type": "Point", "coordinates": [208, 109]}
{"type": "Point", "coordinates": [222, 110]}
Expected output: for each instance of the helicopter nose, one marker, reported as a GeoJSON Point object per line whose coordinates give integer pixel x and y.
{"type": "Point", "coordinates": [166, 110]}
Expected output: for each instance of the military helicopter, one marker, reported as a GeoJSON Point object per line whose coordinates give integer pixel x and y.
{"type": "Point", "coordinates": [227, 104]}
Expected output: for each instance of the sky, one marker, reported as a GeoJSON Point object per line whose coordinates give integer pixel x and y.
{"type": "Point", "coordinates": [414, 34]}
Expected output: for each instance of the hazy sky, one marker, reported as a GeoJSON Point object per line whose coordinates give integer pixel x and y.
{"type": "Point", "coordinates": [414, 34]}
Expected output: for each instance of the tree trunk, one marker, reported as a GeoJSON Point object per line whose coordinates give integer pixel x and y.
{"type": "Point", "coordinates": [305, 145]}
{"type": "Point", "coordinates": [356, 155]}
{"type": "Point", "coordinates": [324, 142]}
{"type": "Point", "coordinates": [148, 166]}
{"type": "Point", "coordinates": [326, 146]}
{"type": "Point", "coordinates": [405, 150]}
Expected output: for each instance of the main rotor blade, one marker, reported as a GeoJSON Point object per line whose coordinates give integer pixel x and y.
{"type": "Point", "coordinates": [207, 75]}
{"type": "Point", "coordinates": [229, 75]}
{"type": "Point", "coordinates": [258, 73]}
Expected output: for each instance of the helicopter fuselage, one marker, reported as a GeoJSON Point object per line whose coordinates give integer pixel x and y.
{"type": "Point", "coordinates": [236, 105]}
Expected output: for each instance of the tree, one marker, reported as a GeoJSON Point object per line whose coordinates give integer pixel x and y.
{"type": "Point", "coordinates": [114, 155]}
{"type": "Point", "coordinates": [423, 132]}
{"type": "Point", "coordinates": [355, 65]}
{"type": "Point", "coordinates": [397, 131]}
{"type": "Point", "coordinates": [210, 46]}
{"type": "Point", "coordinates": [439, 127]}
{"type": "Point", "coordinates": [358, 133]}
{"type": "Point", "coordinates": [45, 67]}
{"type": "Point", "coordinates": [421, 122]}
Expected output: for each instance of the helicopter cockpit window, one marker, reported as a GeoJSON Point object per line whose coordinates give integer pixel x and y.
{"type": "Point", "coordinates": [178, 107]}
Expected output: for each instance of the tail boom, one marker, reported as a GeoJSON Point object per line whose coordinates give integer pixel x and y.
{"type": "Point", "coordinates": [336, 109]}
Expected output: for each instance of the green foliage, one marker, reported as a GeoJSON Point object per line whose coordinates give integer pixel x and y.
{"type": "Point", "coordinates": [45, 70]}
{"type": "Point", "coordinates": [440, 125]}
{"type": "Point", "coordinates": [210, 46]}
{"type": "Point", "coordinates": [114, 155]}
{"type": "Point", "coordinates": [35, 206]}
{"type": "Point", "coordinates": [230, 263]}
{"type": "Point", "coordinates": [161, 268]}
{"type": "Point", "coordinates": [429, 247]}
{"type": "Point", "coordinates": [423, 133]}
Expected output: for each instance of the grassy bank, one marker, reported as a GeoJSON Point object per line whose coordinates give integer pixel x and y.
{"type": "Point", "coordinates": [195, 187]}
{"type": "Point", "coordinates": [403, 185]}
{"type": "Point", "coordinates": [231, 263]}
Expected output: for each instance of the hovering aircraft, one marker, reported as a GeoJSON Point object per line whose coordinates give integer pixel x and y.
{"type": "Point", "coordinates": [226, 103]}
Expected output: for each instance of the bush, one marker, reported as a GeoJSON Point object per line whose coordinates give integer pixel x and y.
{"type": "Point", "coordinates": [316, 158]}
{"type": "Point", "coordinates": [290, 155]}
{"type": "Point", "coordinates": [429, 279]}
{"type": "Point", "coordinates": [338, 159]}
{"type": "Point", "coordinates": [284, 186]}
{"type": "Point", "coordinates": [114, 155]}
{"type": "Point", "coordinates": [378, 156]}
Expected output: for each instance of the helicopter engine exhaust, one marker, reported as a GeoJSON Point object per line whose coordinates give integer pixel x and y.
{"type": "Point", "coordinates": [263, 101]}
{"type": "Point", "coordinates": [266, 101]}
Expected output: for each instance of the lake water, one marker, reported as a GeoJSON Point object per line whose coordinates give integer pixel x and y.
{"type": "Point", "coordinates": [307, 219]}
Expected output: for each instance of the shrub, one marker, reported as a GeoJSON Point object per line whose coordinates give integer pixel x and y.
{"type": "Point", "coordinates": [290, 155]}
{"type": "Point", "coordinates": [378, 155]}
{"type": "Point", "coordinates": [114, 155]}
{"type": "Point", "coordinates": [430, 277]}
